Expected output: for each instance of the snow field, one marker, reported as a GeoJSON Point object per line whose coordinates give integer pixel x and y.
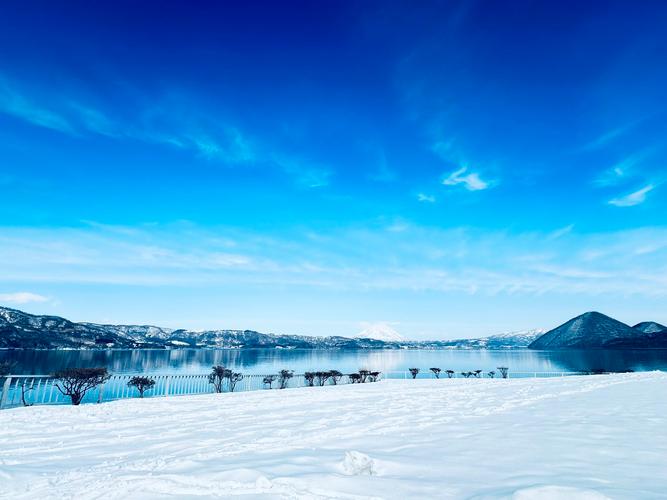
{"type": "Point", "coordinates": [588, 437]}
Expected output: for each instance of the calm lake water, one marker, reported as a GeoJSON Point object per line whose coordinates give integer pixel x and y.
{"type": "Point", "coordinates": [266, 361]}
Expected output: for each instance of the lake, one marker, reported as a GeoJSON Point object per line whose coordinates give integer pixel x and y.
{"type": "Point", "coordinates": [266, 361]}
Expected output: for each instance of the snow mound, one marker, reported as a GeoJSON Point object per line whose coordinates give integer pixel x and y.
{"type": "Point", "coordinates": [557, 493]}
{"type": "Point", "coordinates": [358, 464]}
{"type": "Point", "coordinates": [379, 331]}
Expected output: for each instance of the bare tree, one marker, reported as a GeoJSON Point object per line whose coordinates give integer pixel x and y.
{"type": "Point", "coordinates": [26, 389]}
{"type": "Point", "coordinates": [364, 375]}
{"type": "Point", "coordinates": [322, 377]}
{"type": "Point", "coordinates": [142, 384]}
{"type": "Point", "coordinates": [450, 373]}
{"type": "Point", "coordinates": [503, 371]}
{"type": "Point", "coordinates": [217, 377]}
{"type": "Point", "coordinates": [355, 378]}
{"type": "Point", "coordinates": [414, 372]}
{"type": "Point", "coordinates": [436, 372]}
{"type": "Point", "coordinates": [233, 378]}
{"type": "Point", "coordinates": [283, 378]}
{"type": "Point", "coordinates": [491, 374]}
{"type": "Point", "coordinates": [76, 382]}
{"type": "Point", "coordinates": [309, 377]}
{"type": "Point", "coordinates": [373, 376]}
{"type": "Point", "coordinates": [335, 376]}
{"type": "Point", "coordinates": [269, 379]}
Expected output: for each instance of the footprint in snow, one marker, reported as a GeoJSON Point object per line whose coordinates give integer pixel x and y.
{"type": "Point", "coordinates": [358, 464]}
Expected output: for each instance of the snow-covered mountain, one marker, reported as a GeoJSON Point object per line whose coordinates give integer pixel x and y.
{"type": "Point", "coordinates": [513, 339]}
{"type": "Point", "coordinates": [650, 327]}
{"type": "Point", "coordinates": [506, 340]}
{"type": "Point", "coordinates": [593, 330]}
{"type": "Point", "coordinates": [380, 331]}
{"type": "Point", "coordinates": [22, 330]}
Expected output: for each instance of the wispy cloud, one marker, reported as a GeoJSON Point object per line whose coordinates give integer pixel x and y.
{"type": "Point", "coordinates": [561, 232]}
{"type": "Point", "coordinates": [306, 174]}
{"type": "Point", "coordinates": [471, 181]}
{"type": "Point", "coordinates": [402, 256]}
{"type": "Point", "coordinates": [383, 173]}
{"type": "Point", "coordinates": [609, 136]}
{"type": "Point", "coordinates": [425, 198]}
{"type": "Point", "coordinates": [611, 176]}
{"type": "Point", "coordinates": [94, 121]}
{"type": "Point", "coordinates": [178, 123]}
{"type": "Point", "coordinates": [14, 103]}
{"type": "Point", "coordinates": [635, 198]}
{"type": "Point", "coordinates": [623, 170]}
{"type": "Point", "coordinates": [229, 146]}
{"type": "Point", "coordinates": [21, 298]}
{"type": "Point", "coordinates": [444, 149]}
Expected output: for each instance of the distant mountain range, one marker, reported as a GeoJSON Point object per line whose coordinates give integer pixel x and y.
{"type": "Point", "coordinates": [20, 330]}
{"type": "Point", "coordinates": [592, 330]}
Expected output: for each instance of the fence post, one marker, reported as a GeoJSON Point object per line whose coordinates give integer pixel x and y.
{"type": "Point", "coordinates": [5, 391]}
{"type": "Point", "coordinates": [167, 379]}
{"type": "Point", "coordinates": [100, 394]}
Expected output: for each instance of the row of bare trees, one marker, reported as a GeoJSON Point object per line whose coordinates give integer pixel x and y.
{"type": "Point", "coordinates": [320, 378]}
{"type": "Point", "coordinates": [503, 370]}
{"type": "Point", "coordinates": [75, 383]}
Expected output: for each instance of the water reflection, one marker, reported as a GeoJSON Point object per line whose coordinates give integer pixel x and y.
{"type": "Point", "coordinates": [264, 361]}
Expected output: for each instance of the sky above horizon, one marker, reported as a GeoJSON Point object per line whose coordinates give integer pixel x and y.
{"type": "Point", "coordinates": [444, 169]}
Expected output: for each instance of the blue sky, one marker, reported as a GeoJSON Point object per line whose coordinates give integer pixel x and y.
{"type": "Point", "coordinates": [448, 169]}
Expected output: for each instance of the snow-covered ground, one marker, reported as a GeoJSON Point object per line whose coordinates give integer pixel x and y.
{"type": "Point", "coordinates": [574, 437]}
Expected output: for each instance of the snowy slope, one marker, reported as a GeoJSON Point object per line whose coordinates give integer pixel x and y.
{"type": "Point", "coordinates": [591, 330]}
{"type": "Point", "coordinates": [574, 437]}
{"type": "Point", "coordinates": [649, 327]}
{"type": "Point", "coordinates": [380, 331]}
{"type": "Point", "coordinates": [507, 340]}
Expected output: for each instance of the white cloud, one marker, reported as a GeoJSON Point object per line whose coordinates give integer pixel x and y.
{"type": "Point", "coordinates": [22, 298]}
{"type": "Point", "coordinates": [402, 257]}
{"type": "Point", "coordinates": [472, 181]}
{"type": "Point", "coordinates": [425, 198]}
{"type": "Point", "coordinates": [632, 199]}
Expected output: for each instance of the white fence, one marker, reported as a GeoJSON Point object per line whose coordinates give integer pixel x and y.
{"type": "Point", "coordinates": [28, 390]}
{"type": "Point", "coordinates": [427, 374]}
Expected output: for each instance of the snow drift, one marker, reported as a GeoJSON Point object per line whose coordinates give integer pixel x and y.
{"type": "Point", "coordinates": [585, 437]}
